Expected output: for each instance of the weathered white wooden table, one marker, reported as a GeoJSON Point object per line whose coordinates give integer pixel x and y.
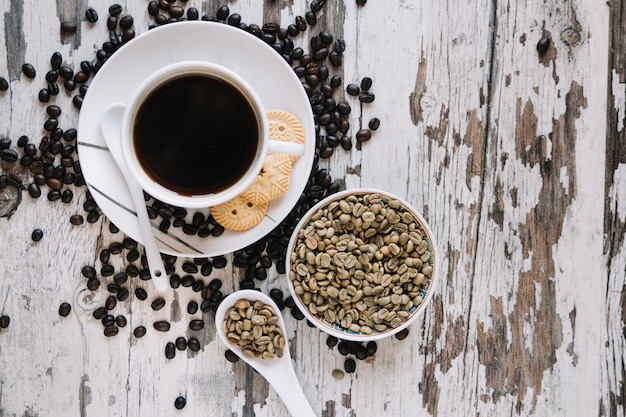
{"type": "Point", "coordinates": [516, 158]}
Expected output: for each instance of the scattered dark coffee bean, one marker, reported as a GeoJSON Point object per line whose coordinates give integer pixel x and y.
{"type": "Point", "coordinates": [402, 334]}
{"type": "Point", "coordinates": [34, 190]}
{"type": "Point", "coordinates": [141, 294]}
{"type": "Point", "coordinates": [29, 71]}
{"type": "Point", "coordinates": [77, 219]}
{"type": "Point", "coordinates": [139, 332]}
{"type": "Point", "coordinates": [111, 330]}
{"type": "Point", "coordinates": [192, 307]}
{"type": "Point", "coordinates": [374, 123]}
{"type": "Point", "coordinates": [193, 344]}
{"type": "Point", "coordinates": [99, 313]}
{"type": "Point", "coordinates": [158, 304]}
{"type": "Point", "coordinates": [361, 352]}
{"type": "Point", "coordinates": [353, 89]}
{"type": "Point", "coordinates": [343, 347]}
{"type": "Point", "coordinates": [107, 270]}
{"type": "Point", "coordinates": [91, 15]}
{"type": "Point", "coordinates": [8, 155]}
{"type": "Point", "coordinates": [180, 402]}
{"type": "Point", "coordinates": [161, 326]}
{"type": "Point", "coordinates": [231, 356]}
{"type": "Point", "coordinates": [366, 97]}
{"type": "Point", "coordinates": [181, 343]}
{"type": "Point", "coordinates": [196, 324]}
{"type": "Point", "coordinates": [363, 135]}
{"type": "Point", "coordinates": [115, 9]}
{"type": "Point", "coordinates": [4, 84]}
{"type": "Point", "coordinates": [110, 302]}
{"type": "Point", "coordinates": [190, 268]}
{"type": "Point", "coordinates": [193, 13]}
{"type": "Point", "coordinates": [123, 294]}
{"type": "Point", "coordinates": [175, 281]}
{"type": "Point", "coordinates": [366, 83]}
{"type": "Point", "coordinates": [297, 314]}
{"type": "Point", "coordinates": [108, 320]}
{"type": "Point", "coordinates": [170, 350]}
{"type": "Point", "coordinates": [371, 347]}
{"type": "Point", "coordinates": [93, 284]}
{"type": "Point", "coordinates": [222, 13]}
{"type": "Point", "coordinates": [4, 321]}
{"type": "Point", "coordinates": [120, 321]}
{"type": "Point", "coordinates": [126, 22]}
{"type": "Point", "coordinates": [349, 365]}
{"type": "Point", "coordinates": [36, 235]}
{"type": "Point", "coordinates": [68, 27]}
{"type": "Point", "coordinates": [77, 101]}
{"type": "Point", "coordinates": [65, 309]}
{"type": "Point", "coordinates": [543, 45]}
{"type": "Point", "coordinates": [361, 2]}
{"type": "Point", "coordinates": [43, 95]}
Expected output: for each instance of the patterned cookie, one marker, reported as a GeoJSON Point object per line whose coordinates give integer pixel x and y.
{"type": "Point", "coordinates": [276, 174]}
{"type": "Point", "coordinates": [240, 213]}
{"type": "Point", "coordinates": [285, 127]}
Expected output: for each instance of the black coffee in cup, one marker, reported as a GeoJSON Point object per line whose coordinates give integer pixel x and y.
{"type": "Point", "coordinates": [196, 134]}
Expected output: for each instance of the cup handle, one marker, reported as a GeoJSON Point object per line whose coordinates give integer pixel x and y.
{"type": "Point", "coordinates": [287, 148]}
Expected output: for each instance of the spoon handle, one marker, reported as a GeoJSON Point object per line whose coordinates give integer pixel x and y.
{"type": "Point", "coordinates": [155, 262]}
{"type": "Point", "coordinates": [288, 388]}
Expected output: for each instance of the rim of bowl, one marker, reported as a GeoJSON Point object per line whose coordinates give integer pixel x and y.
{"type": "Point", "coordinates": [341, 332]}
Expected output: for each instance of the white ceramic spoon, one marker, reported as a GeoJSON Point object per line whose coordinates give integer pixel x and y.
{"type": "Point", "coordinates": [277, 371]}
{"type": "Point", "coordinates": [111, 125]}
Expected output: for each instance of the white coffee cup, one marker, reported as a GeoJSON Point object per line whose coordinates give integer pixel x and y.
{"type": "Point", "coordinates": [163, 191]}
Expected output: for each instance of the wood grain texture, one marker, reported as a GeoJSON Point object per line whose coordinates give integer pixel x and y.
{"type": "Point", "coordinates": [500, 147]}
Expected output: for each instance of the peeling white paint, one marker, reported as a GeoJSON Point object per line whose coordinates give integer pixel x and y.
{"type": "Point", "coordinates": [619, 92]}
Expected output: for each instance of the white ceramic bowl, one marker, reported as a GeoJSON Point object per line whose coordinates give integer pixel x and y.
{"type": "Point", "coordinates": [320, 319]}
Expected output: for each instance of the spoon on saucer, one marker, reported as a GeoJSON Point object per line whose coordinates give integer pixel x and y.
{"type": "Point", "coordinates": [278, 371]}
{"type": "Point", "coordinates": [111, 125]}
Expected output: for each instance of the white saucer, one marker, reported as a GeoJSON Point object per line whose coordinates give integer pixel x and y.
{"type": "Point", "coordinates": [266, 71]}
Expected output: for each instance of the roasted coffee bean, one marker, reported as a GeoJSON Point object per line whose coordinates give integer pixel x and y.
{"type": "Point", "coordinates": [36, 235]}
{"type": "Point", "coordinates": [91, 15]}
{"type": "Point", "coordinates": [68, 27]}
{"type": "Point", "coordinates": [139, 332]}
{"type": "Point", "coordinates": [181, 343]}
{"type": "Point", "coordinates": [4, 84]}
{"type": "Point", "coordinates": [93, 284]}
{"type": "Point", "coordinates": [115, 9]}
{"type": "Point", "coordinates": [126, 22]}
{"type": "Point", "coordinates": [170, 350]}
{"type": "Point", "coordinates": [70, 85]}
{"type": "Point", "coordinates": [29, 71]}
{"type": "Point", "coordinates": [65, 309]}
{"type": "Point", "coordinates": [335, 59]}
{"type": "Point", "coordinates": [77, 101]}
{"type": "Point", "coordinates": [343, 347]}
{"type": "Point", "coordinates": [543, 45]}
{"type": "Point", "coordinates": [361, 352]}
{"type": "Point", "coordinates": [43, 95]}
{"type": "Point", "coordinates": [197, 286]}
{"type": "Point", "coordinates": [371, 347]}
{"type": "Point", "coordinates": [34, 190]}
{"type": "Point", "coordinates": [363, 135]}
{"type": "Point", "coordinates": [353, 89]}
{"type": "Point", "coordinates": [141, 294]}
{"type": "Point", "coordinates": [180, 402]}
{"type": "Point", "coordinates": [99, 313]}
{"type": "Point", "coordinates": [220, 262]}
{"type": "Point", "coordinates": [8, 155]}
{"type": "Point", "coordinates": [297, 314]}
{"type": "Point", "coordinates": [4, 321]}
{"type": "Point", "coordinates": [67, 196]}
{"type": "Point", "coordinates": [366, 83]}
{"type": "Point", "coordinates": [88, 271]}
{"type": "Point", "coordinates": [361, 2]}
{"type": "Point", "coordinates": [161, 326]}
{"type": "Point", "coordinates": [153, 8]}
{"type": "Point", "coordinates": [374, 123]}
{"type": "Point", "coordinates": [110, 302]}
{"type": "Point", "coordinates": [317, 5]}
{"type": "Point", "coordinates": [349, 365]}
{"type": "Point", "coordinates": [331, 341]}
{"type": "Point", "coordinates": [175, 281]}
{"type": "Point", "coordinates": [54, 195]}
{"type": "Point", "coordinates": [157, 304]}
{"type": "Point", "coordinates": [66, 72]}
{"type": "Point", "coordinates": [402, 334]}
{"type": "Point", "coordinates": [107, 270]}
{"type": "Point", "coordinates": [123, 294]}
{"type": "Point", "coordinates": [190, 268]}
{"type": "Point", "coordinates": [111, 330]}
{"type": "Point", "coordinates": [231, 356]}
{"type": "Point", "coordinates": [366, 97]}
{"type": "Point", "coordinates": [108, 320]}
{"type": "Point", "coordinates": [193, 344]}
{"type": "Point", "coordinates": [196, 324]}
{"type": "Point", "coordinates": [311, 18]}
{"type": "Point", "coordinates": [121, 321]}
{"type": "Point", "coordinates": [76, 220]}
{"type": "Point", "coordinates": [187, 281]}
{"type": "Point", "coordinates": [222, 13]}
{"type": "Point", "coordinates": [193, 13]}
{"type": "Point", "coordinates": [53, 110]}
